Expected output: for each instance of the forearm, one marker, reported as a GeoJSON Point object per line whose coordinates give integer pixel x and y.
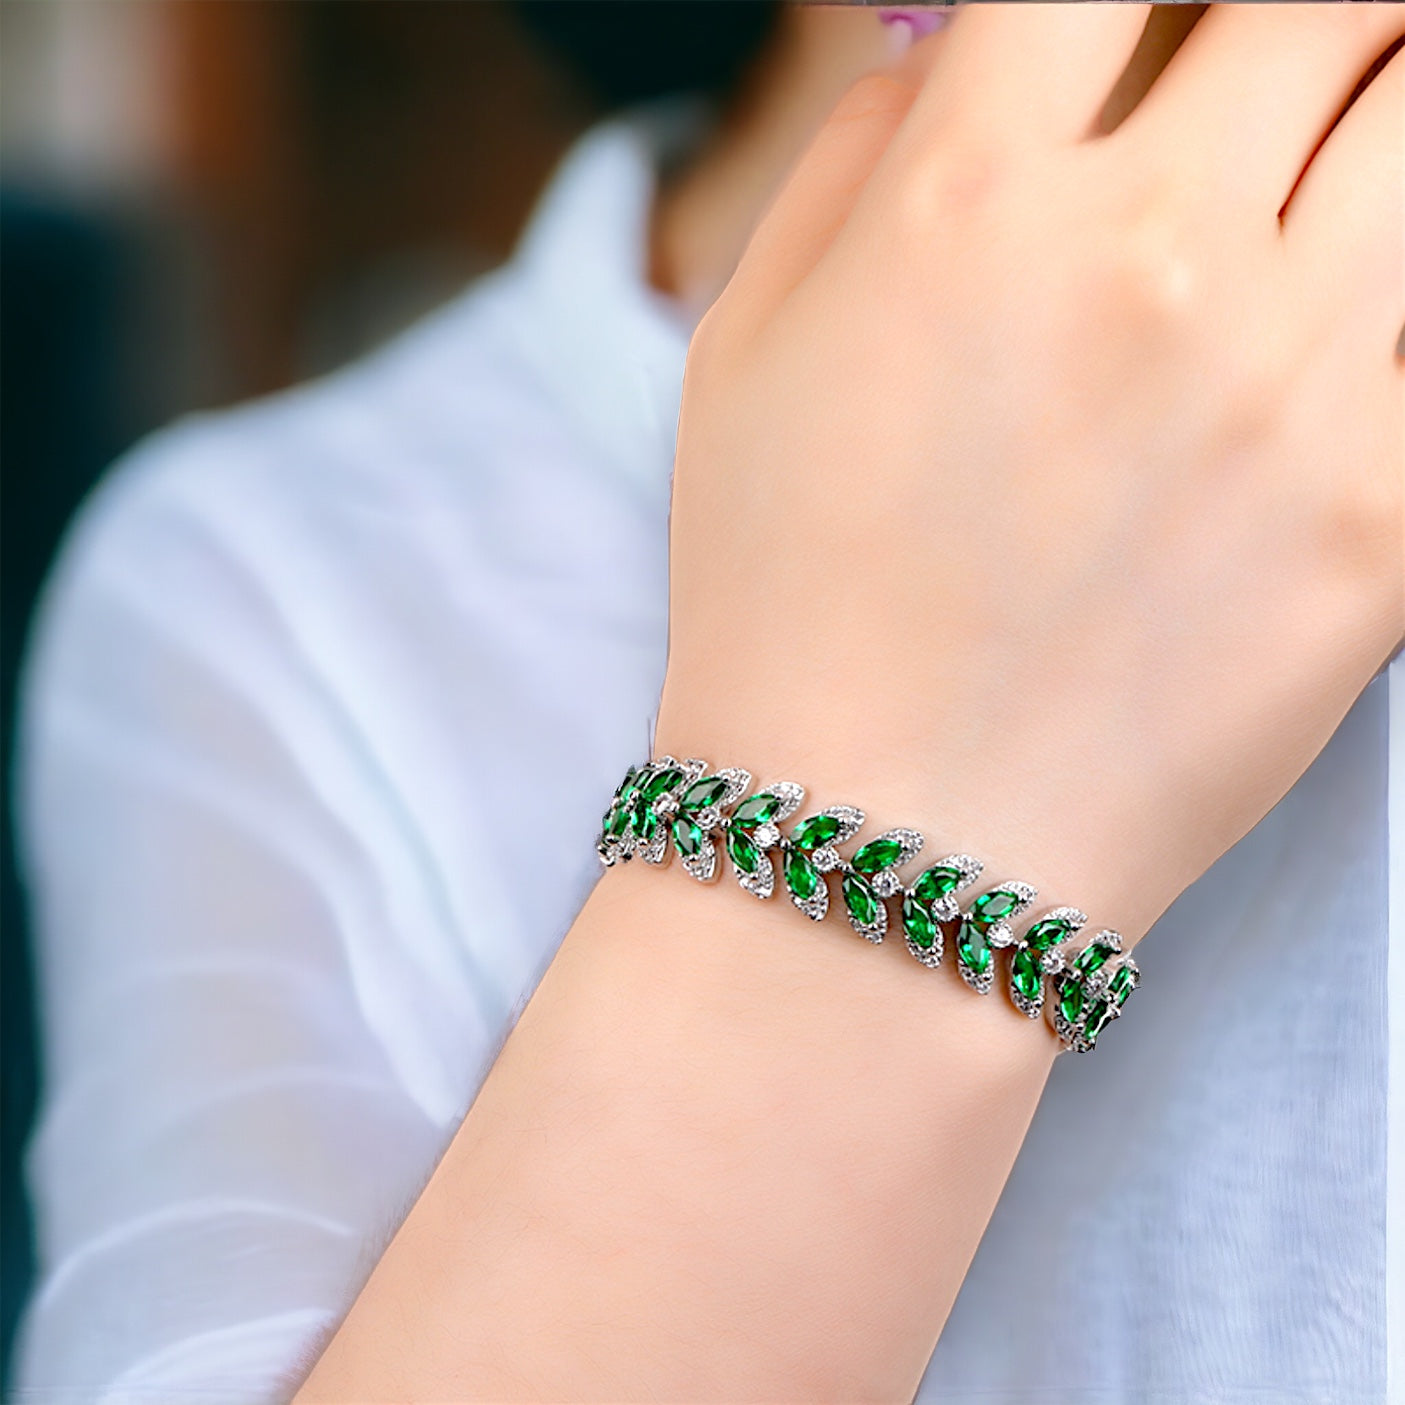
{"type": "Point", "coordinates": [724, 1155]}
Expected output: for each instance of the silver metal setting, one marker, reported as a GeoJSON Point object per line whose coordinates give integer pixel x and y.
{"type": "Point", "coordinates": [790, 795]}
{"type": "Point", "coordinates": [762, 883]}
{"type": "Point", "coordinates": [738, 783]}
{"type": "Point", "coordinates": [850, 819]}
{"type": "Point", "coordinates": [703, 864]}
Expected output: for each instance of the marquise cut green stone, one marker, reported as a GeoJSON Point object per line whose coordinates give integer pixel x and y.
{"type": "Point", "coordinates": [641, 818]}
{"type": "Point", "coordinates": [756, 809]}
{"type": "Point", "coordinates": [861, 900]}
{"type": "Point", "coordinates": [993, 906]}
{"type": "Point", "coordinates": [801, 876]}
{"type": "Point", "coordinates": [708, 791]}
{"type": "Point", "coordinates": [1120, 986]}
{"type": "Point", "coordinates": [1099, 1017]}
{"type": "Point", "coordinates": [917, 923]}
{"type": "Point", "coordinates": [1046, 933]}
{"type": "Point", "coordinates": [971, 946]}
{"type": "Point", "coordinates": [1025, 973]}
{"type": "Point", "coordinates": [661, 781]}
{"type": "Point", "coordinates": [618, 821]}
{"type": "Point", "coordinates": [743, 851]}
{"type": "Point", "coordinates": [817, 830]}
{"type": "Point", "coordinates": [687, 837]}
{"type": "Point", "coordinates": [1094, 957]}
{"type": "Point", "coordinates": [1070, 1000]}
{"type": "Point", "coordinates": [936, 883]}
{"type": "Point", "coordinates": [878, 855]}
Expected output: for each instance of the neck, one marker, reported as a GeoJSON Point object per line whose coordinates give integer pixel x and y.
{"type": "Point", "coordinates": [704, 216]}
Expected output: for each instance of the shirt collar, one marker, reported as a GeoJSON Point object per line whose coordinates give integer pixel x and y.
{"type": "Point", "coordinates": [609, 347]}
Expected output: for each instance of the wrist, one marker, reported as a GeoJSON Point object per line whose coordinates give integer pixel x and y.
{"type": "Point", "coordinates": [1037, 813]}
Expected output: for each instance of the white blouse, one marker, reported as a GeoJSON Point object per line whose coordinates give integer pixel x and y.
{"type": "Point", "coordinates": [308, 678]}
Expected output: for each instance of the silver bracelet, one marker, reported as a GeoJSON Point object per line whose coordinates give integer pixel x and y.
{"type": "Point", "coordinates": [670, 806]}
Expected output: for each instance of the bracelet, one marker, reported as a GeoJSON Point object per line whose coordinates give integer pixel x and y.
{"type": "Point", "coordinates": [668, 805]}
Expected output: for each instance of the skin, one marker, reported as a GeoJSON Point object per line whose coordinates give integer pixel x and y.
{"type": "Point", "coordinates": [1039, 488]}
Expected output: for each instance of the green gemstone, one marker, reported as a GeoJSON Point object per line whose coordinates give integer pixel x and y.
{"type": "Point", "coordinates": [1070, 1000]}
{"type": "Point", "coordinates": [917, 923]}
{"type": "Point", "coordinates": [1046, 933]}
{"type": "Point", "coordinates": [1025, 974]}
{"type": "Point", "coordinates": [618, 821]}
{"type": "Point", "coordinates": [817, 830]}
{"type": "Point", "coordinates": [744, 853]}
{"type": "Point", "coordinates": [861, 900]}
{"type": "Point", "coordinates": [1099, 1017]}
{"type": "Point", "coordinates": [878, 855]}
{"type": "Point", "coordinates": [661, 781]}
{"type": "Point", "coordinates": [1121, 986]}
{"type": "Point", "coordinates": [624, 788]}
{"type": "Point", "coordinates": [801, 876]}
{"type": "Point", "coordinates": [993, 906]}
{"type": "Point", "coordinates": [756, 809]}
{"type": "Point", "coordinates": [708, 791]}
{"type": "Point", "coordinates": [641, 818]}
{"type": "Point", "coordinates": [936, 883]}
{"type": "Point", "coordinates": [687, 837]}
{"type": "Point", "coordinates": [1094, 957]}
{"type": "Point", "coordinates": [971, 946]}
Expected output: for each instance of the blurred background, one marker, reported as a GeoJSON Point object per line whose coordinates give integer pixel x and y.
{"type": "Point", "coordinates": [205, 200]}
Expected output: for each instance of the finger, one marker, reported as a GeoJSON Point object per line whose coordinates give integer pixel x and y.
{"type": "Point", "coordinates": [1344, 228]}
{"type": "Point", "coordinates": [1026, 72]}
{"type": "Point", "coordinates": [820, 192]}
{"type": "Point", "coordinates": [1248, 96]}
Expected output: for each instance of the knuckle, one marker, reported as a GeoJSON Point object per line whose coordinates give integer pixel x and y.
{"type": "Point", "coordinates": [1253, 394]}
{"type": "Point", "coordinates": [1150, 276]}
{"type": "Point", "coordinates": [962, 190]}
{"type": "Point", "coordinates": [1360, 526]}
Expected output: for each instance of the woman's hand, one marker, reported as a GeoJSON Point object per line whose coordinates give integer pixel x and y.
{"type": "Point", "coordinates": [1042, 489]}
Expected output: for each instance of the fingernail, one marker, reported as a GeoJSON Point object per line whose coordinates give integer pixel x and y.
{"type": "Point", "coordinates": [920, 21]}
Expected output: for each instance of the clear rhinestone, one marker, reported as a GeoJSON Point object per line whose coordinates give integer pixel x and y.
{"type": "Point", "coordinates": [826, 858]}
{"type": "Point", "coordinates": [709, 817]}
{"type": "Point", "coordinates": [886, 884]}
{"type": "Point", "coordinates": [766, 836]}
{"type": "Point", "coordinates": [946, 909]}
{"type": "Point", "coordinates": [1000, 934]}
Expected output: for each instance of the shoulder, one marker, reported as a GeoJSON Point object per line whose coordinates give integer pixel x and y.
{"type": "Point", "coordinates": [291, 495]}
{"type": "Point", "coordinates": [443, 399]}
